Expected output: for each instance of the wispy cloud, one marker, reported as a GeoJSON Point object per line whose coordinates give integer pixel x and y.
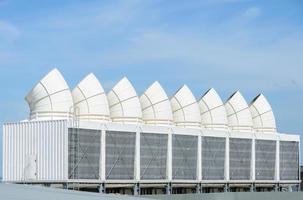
{"type": "Point", "coordinates": [138, 33]}
{"type": "Point", "coordinates": [229, 57]}
{"type": "Point", "coordinates": [8, 31]}
{"type": "Point", "coordinates": [90, 16]}
{"type": "Point", "coordinates": [252, 13]}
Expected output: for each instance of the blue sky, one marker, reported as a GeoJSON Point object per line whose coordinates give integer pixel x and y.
{"type": "Point", "coordinates": [251, 46]}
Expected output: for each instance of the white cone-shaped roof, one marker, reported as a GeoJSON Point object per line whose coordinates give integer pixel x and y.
{"type": "Point", "coordinates": [213, 113]}
{"type": "Point", "coordinates": [50, 98]}
{"type": "Point", "coordinates": [238, 113]}
{"type": "Point", "coordinates": [124, 103]}
{"type": "Point", "coordinates": [262, 115]}
{"type": "Point", "coordinates": [186, 112]}
{"type": "Point", "coordinates": [90, 101]}
{"type": "Point", "coordinates": [156, 108]}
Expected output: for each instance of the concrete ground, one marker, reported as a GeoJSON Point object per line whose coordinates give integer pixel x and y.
{"type": "Point", "coordinates": [28, 192]}
{"type": "Point", "coordinates": [233, 196]}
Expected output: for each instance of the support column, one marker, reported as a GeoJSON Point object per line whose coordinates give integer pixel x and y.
{"type": "Point", "coordinates": [199, 188]}
{"type": "Point", "coordinates": [289, 188]}
{"type": "Point", "coordinates": [101, 188]}
{"type": "Point", "coordinates": [226, 187]}
{"type": "Point", "coordinates": [168, 188]}
{"type": "Point", "coordinates": [137, 156]}
{"type": "Point", "coordinates": [252, 187]}
{"type": "Point", "coordinates": [65, 186]}
{"type": "Point", "coordinates": [103, 156]}
{"type": "Point", "coordinates": [137, 189]}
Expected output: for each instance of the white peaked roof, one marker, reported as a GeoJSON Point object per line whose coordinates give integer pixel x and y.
{"type": "Point", "coordinates": [156, 108]}
{"type": "Point", "coordinates": [238, 113]}
{"type": "Point", "coordinates": [90, 101]}
{"type": "Point", "coordinates": [50, 98]}
{"type": "Point", "coordinates": [213, 113]}
{"type": "Point", "coordinates": [185, 108]}
{"type": "Point", "coordinates": [124, 103]}
{"type": "Point", "coordinates": [262, 114]}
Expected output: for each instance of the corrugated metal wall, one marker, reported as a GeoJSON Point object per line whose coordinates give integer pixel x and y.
{"type": "Point", "coordinates": [35, 151]}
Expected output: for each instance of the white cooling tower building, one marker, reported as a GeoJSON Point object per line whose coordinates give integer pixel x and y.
{"type": "Point", "coordinates": [149, 144]}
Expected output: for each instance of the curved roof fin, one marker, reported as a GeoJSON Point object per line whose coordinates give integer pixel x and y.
{"type": "Point", "coordinates": [156, 108]}
{"type": "Point", "coordinates": [238, 113]}
{"type": "Point", "coordinates": [124, 103]}
{"type": "Point", "coordinates": [262, 115]}
{"type": "Point", "coordinates": [90, 101]}
{"type": "Point", "coordinates": [50, 98]}
{"type": "Point", "coordinates": [185, 108]}
{"type": "Point", "coordinates": [213, 113]}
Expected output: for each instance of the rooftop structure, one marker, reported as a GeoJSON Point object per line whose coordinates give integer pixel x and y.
{"type": "Point", "coordinates": [50, 98]}
{"type": "Point", "coordinates": [120, 143]}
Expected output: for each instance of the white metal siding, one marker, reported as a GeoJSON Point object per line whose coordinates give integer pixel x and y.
{"type": "Point", "coordinates": [46, 140]}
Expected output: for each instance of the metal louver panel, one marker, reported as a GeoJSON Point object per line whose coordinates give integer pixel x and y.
{"type": "Point", "coordinates": [265, 159]}
{"type": "Point", "coordinates": [83, 153]}
{"type": "Point", "coordinates": [153, 155]}
{"type": "Point", "coordinates": [213, 158]}
{"type": "Point", "coordinates": [289, 160]}
{"type": "Point", "coordinates": [120, 155]}
{"type": "Point", "coordinates": [184, 157]}
{"type": "Point", "coordinates": [240, 158]}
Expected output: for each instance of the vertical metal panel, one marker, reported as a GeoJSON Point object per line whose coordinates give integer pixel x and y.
{"type": "Point", "coordinates": [44, 140]}
{"type": "Point", "coordinates": [240, 158]}
{"type": "Point", "coordinates": [120, 155]}
{"type": "Point", "coordinates": [184, 157]}
{"type": "Point", "coordinates": [213, 158]}
{"type": "Point", "coordinates": [289, 160]}
{"type": "Point", "coordinates": [265, 159]}
{"type": "Point", "coordinates": [153, 153]}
